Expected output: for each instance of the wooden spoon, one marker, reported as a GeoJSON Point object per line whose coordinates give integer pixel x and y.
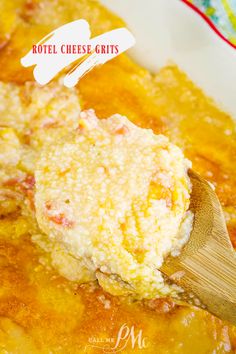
{"type": "Point", "coordinates": [206, 266]}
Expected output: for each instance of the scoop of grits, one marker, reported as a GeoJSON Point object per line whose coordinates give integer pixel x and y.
{"type": "Point", "coordinates": [113, 200]}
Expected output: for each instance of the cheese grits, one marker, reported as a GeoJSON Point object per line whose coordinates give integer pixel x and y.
{"type": "Point", "coordinates": [114, 197]}
{"type": "Point", "coordinates": [50, 301]}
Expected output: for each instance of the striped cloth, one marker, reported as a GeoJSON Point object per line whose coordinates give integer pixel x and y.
{"type": "Point", "coordinates": [222, 13]}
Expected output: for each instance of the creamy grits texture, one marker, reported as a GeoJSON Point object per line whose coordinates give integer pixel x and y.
{"type": "Point", "coordinates": [112, 199]}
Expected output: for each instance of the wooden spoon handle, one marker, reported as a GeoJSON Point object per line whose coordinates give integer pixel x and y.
{"type": "Point", "coordinates": [210, 275]}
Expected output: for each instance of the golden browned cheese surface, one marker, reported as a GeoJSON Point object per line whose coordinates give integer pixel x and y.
{"type": "Point", "coordinates": [41, 312]}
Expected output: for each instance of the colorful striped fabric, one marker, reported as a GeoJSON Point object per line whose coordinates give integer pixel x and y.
{"type": "Point", "coordinates": [222, 13]}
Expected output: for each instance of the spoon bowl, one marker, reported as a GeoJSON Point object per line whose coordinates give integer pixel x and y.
{"type": "Point", "coordinates": [206, 267]}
